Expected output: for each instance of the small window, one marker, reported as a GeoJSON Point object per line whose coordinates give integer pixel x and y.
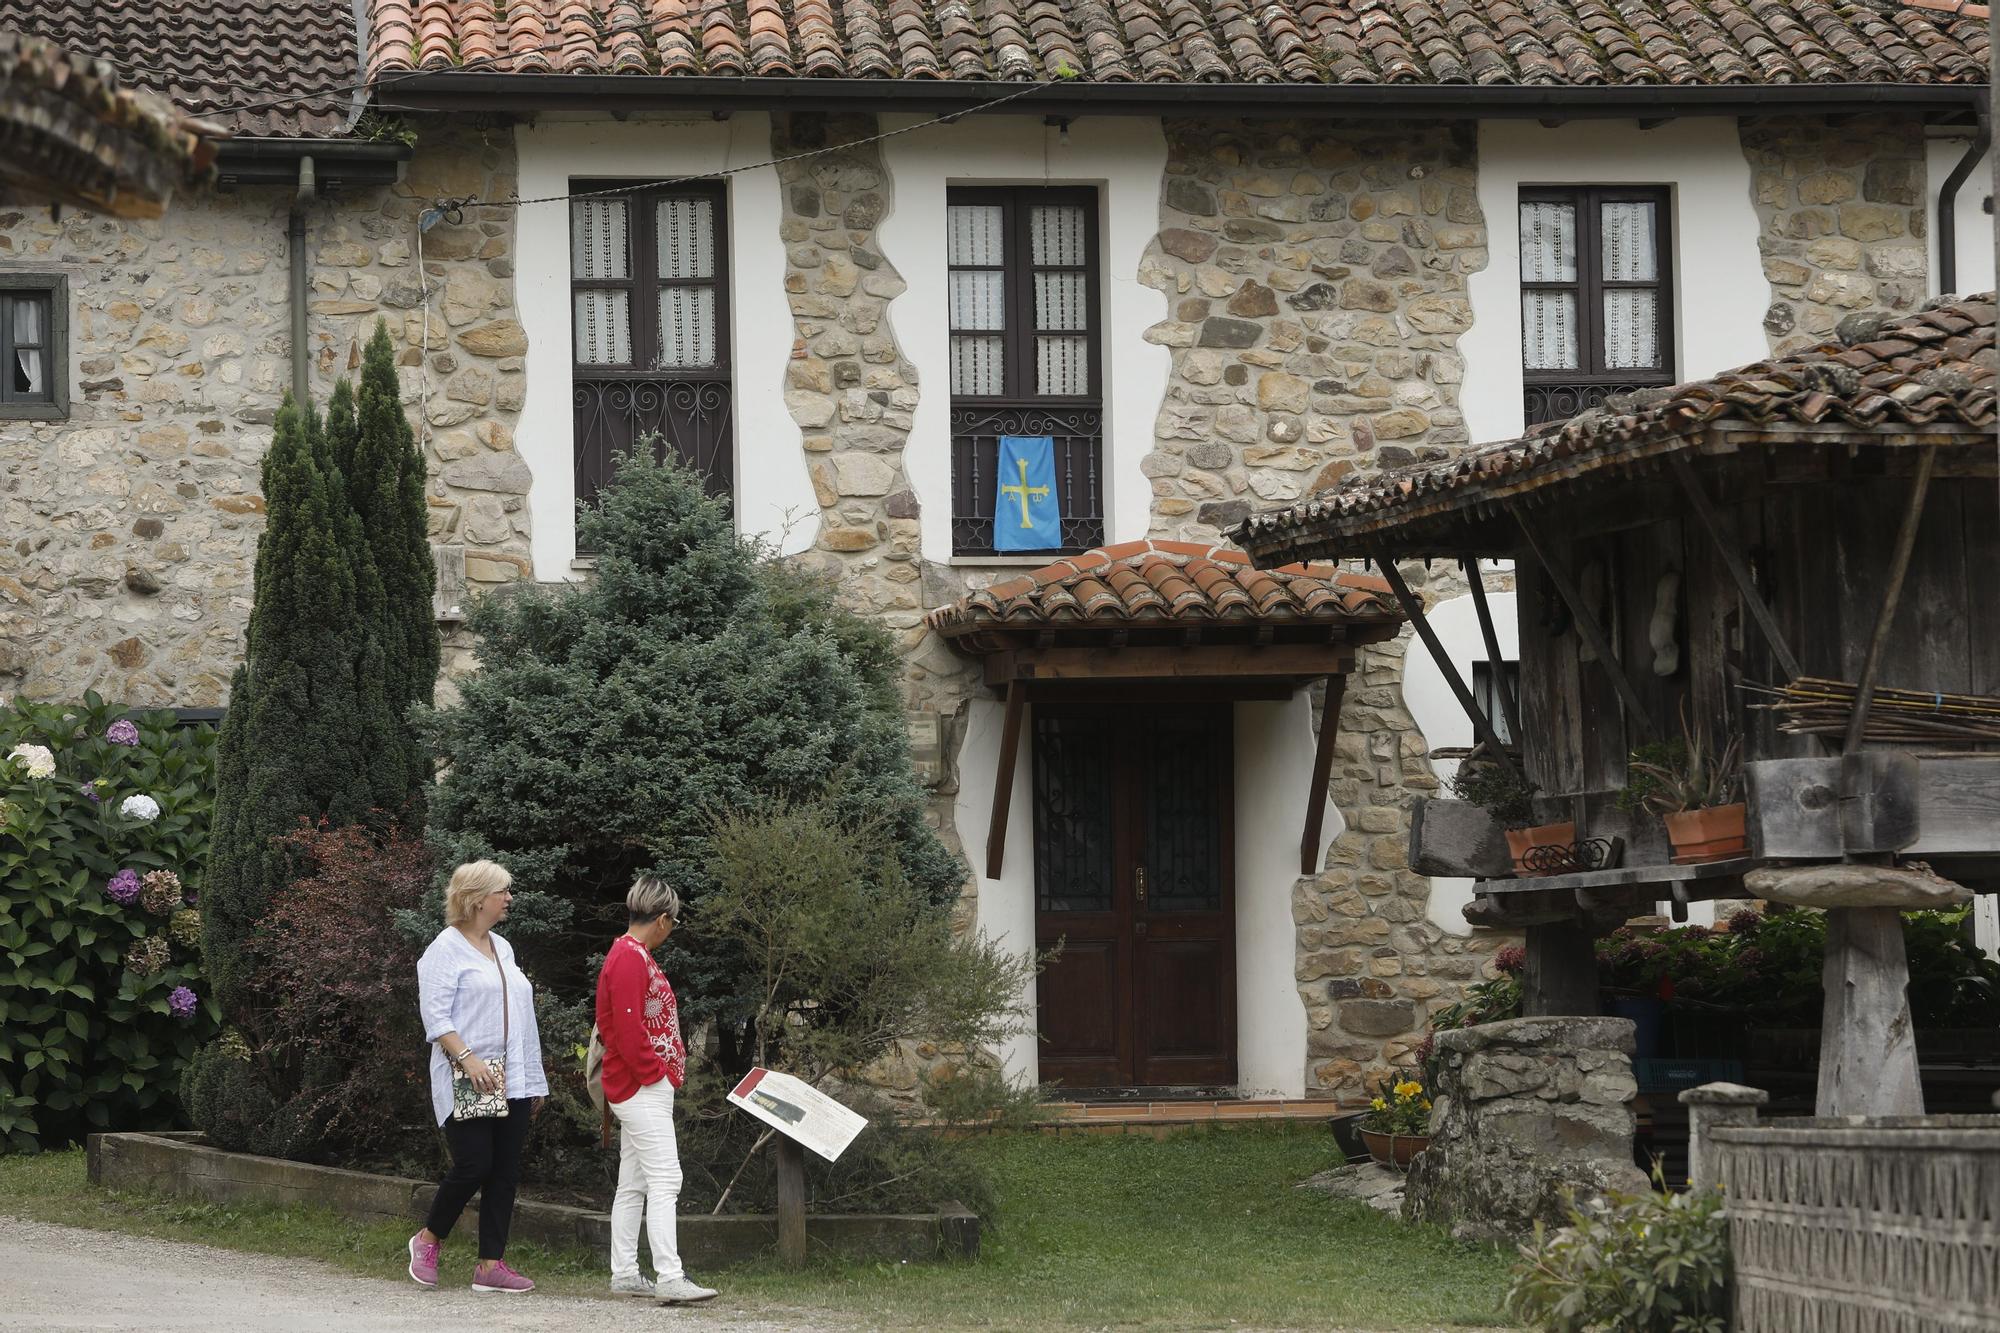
{"type": "Point", "coordinates": [1488, 680]}
{"type": "Point", "coordinates": [1596, 296]}
{"type": "Point", "coordinates": [650, 328]}
{"type": "Point", "coordinates": [1022, 278]}
{"type": "Point", "coordinates": [34, 350]}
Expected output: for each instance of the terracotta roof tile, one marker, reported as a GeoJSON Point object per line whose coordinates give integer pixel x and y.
{"type": "Point", "coordinates": [223, 60]}
{"type": "Point", "coordinates": [1485, 42]}
{"type": "Point", "coordinates": [1934, 366]}
{"type": "Point", "coordinates": [1168, 583]}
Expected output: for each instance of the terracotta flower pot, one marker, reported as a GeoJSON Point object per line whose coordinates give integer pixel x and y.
{"type": "Point", "coordinates": [1711, 834]}
{"type": "Point", "coordinates": [1521, 841]}
{"type": "Point", "coordinates": [1395, 1151]}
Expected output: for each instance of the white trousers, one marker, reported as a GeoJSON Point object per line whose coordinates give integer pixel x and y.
{"type": "Point", "coordinates": [649, 1182]}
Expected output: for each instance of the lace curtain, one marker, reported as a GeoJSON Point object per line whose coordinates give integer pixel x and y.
{"type": "Point", "coordinates": [1062, 309]}
{"type": "Point", "coordinates": [1548, 254]}
{"type": "Point", "coordinates": [598, 251]}
{"type": "Point", "coordinates": [976, 235]}
{"type": "Point", "coordinates": [30, 332]}
{"type": "Point", "coordinates": [686, 239]}
{"type": "Point", "coordinates": [1631, 316]}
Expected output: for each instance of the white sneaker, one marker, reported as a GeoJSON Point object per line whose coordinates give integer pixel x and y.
{"type": "Point", "coordinates": [680, 1291]}
{"type": "Point", "coordinates": [636, 1285]}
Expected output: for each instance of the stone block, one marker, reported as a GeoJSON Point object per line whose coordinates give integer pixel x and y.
{"type": "Point", "coordinates": [1192, 246]}
{"type": "Point", "coordinates": [1378, 1018]}
{"type": "Point", "coordinates": [1236, 333]}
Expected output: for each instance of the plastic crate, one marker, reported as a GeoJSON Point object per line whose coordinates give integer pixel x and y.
{"type": "Point", "coordinates": [1667, 1075]}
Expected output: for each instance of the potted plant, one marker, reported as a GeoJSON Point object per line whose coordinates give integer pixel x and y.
{"type": "Point", "coordinates": [1398, 1126]}
{"type": "Point", "coordinates": [1509, 798]}
{"type": "Point", "coordinates": [1697, 791]}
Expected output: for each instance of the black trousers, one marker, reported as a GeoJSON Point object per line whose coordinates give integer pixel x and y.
{"type": "Point", "coordinates": [485, 1159]}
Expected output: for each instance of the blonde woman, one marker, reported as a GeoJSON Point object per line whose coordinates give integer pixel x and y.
{"type": "Point", "coordinates": [479, 1016]}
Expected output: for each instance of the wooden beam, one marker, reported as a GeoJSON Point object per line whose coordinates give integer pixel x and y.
{"type": "Point", "coordinates": [1867, 1044]}
{"type": "Point", "coordinates": [1329, 737]}
{"type": "Point", "coordinates": [791, 1201]}
{"type": "Point", "coordinates": [1560, 977]}
{"type": "Point", "coordinates": [1760, 611]}
{"type": "Point", "coordinates": [1003, 780]}
{"type": "Point", "coordinates": [1414, 609]}
{"type": "Point", "coordinates": [1899, 566]}
{"type": "Point", "coordinates": [1299, 661]}
{"type": "Point", "coordinates": [1587, 626]}
{"type": "Point", "coordinates": [1509, 705]}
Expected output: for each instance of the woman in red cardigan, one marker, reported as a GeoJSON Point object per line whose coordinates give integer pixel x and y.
{"type": "Point", "coordinates": [644, 1062]}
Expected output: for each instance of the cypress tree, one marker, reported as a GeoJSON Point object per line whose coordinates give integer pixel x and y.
{"type": "Point", "coordinates": [293, 738]}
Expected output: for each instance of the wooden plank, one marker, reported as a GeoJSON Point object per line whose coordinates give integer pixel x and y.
{"type": "Point", "coordinates": [1981, 537]}
{"type": "Point", "coordinates": [1329, 735]}
{"type": "Point", "coordinates": [1456, 838]}
{"type": "Point", "coordinates": [1878, 642]}
{"type": "Point", "coordinates": [1003, 780]}
{"type": "Point", "coordinates": [1732, 560]}
{"type": "Point", "coordinates": [1587, 626]}
{"type": "Point", "coordinates": [791, 1201]}
{"type": "Point", "coordinates": [1868, 1045]}
{"type": "Point", "coordinates": [1298, 661]}
{"type": "Point", "coordinates": [1660, 875]}
{"type": "Point", "coordinates": [1797, 807]}
{"type": "Point", "coordinates": [1448, 668]}
{"type": "Point", "coordinates": [1551, 747]}
{"type": "Point", "coordinates": [1958, 805]}
{"type": "Point", "coordinates": [1560, 977]}
{"type": "Point", "coordinates": [450, 596]}
{"type": "Point", "coordinates": [1510, 706]}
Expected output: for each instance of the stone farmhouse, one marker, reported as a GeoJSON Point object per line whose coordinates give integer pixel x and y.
{"type": "Point", "coordinates": [847, 255]}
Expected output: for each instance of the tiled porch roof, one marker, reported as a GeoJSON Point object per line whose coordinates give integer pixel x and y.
{"type": "Point", "coordinates": [1167, 584]}
{"type": "Point", "coordinates": [1929, 368]}
{"type": "Point", "coordinates": [1678, 43]}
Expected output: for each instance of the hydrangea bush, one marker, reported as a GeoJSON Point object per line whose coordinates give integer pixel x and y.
{"type": "Point", "coordinates": [103, 820]}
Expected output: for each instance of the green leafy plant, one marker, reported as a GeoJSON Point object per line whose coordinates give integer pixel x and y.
{"type": "Point", "coordinates": [1402, 1110]}
{"type": "Point", "coordinates": [1688, 774]}
{"type": "Point", "coordinates": [1653, 1262]}
{"type": "Point", "coordinates": [104, 830]}
{"type": "Point", "coordinates": [1506, 795]}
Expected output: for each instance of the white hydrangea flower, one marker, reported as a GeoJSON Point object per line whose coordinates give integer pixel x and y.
{"type": "Point", "coordinates": [142, 808]}
{"type": "Point", "coordinates": [40, 763]}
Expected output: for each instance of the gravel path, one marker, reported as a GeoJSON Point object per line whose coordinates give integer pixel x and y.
{"type": "Point", "coordinates": [54, 1277]}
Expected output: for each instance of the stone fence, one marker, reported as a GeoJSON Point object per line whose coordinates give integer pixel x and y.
{"type": "Point", "coordinates": [1861, 1223]}
{"type": "Point", "coordinates": [182, 1166]}
{"type": "Point", "coordinates": [1528, 1113]}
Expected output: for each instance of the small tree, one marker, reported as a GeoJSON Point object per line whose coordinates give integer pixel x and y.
{"type": "Point", "coordinates": [608, 720]}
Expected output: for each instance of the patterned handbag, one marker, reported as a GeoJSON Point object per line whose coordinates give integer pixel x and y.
{"type": "Point", "coordinates": [467, 1101]}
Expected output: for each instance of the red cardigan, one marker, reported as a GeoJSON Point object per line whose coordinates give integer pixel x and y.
{"type": "Point", "coordinates": [638, 1022]}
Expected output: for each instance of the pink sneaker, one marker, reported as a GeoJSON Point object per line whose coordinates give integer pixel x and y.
{"type": "Point", "coordinates": [423, 1261]}
{"type": "Point", "coordinates": [496, 1276]}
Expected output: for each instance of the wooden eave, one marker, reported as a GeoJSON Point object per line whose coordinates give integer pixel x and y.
{"type": "Point", "coordinates": [1054, 656]}
{"type": "Point", "coordinates": [1593, 492]}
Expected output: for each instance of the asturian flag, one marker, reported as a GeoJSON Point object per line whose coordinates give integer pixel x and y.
{"type": "Point", "coordinates": [1026, 513]}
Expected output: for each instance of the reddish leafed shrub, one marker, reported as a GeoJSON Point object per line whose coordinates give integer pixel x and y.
{"type": "Point", "coordinates": [342, 1045]}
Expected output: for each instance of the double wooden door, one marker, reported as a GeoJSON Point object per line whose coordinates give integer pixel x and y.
{"type": "Point", "coordinates": [1133, 869]}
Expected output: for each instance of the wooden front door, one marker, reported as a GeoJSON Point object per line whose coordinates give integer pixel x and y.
{"type": "Point", "coordinates": [1134, 860]}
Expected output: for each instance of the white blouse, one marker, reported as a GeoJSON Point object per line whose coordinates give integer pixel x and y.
{"type": "Point", "coordinates": [458, 990]}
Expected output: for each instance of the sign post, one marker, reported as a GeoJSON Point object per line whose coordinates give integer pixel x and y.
{"type": "Point", "coordinates": [804, 1117]}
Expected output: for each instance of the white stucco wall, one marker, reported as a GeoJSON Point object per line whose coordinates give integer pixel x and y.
{"type": "Point", "coordinates": [1437, 714]}
{"type": "Point", "coordinates": [1975, 224]}
{"type": "Point", "coordinates": [1125, 158]}
{"type": "Point", "coordinates": [1720, 290]}
{"type": "Point", "coordinates": [773, 493]}
{"type": "Point", "coordinates": [1274, 759]}
{"type": "Point", "coordinates": [1005, 907]}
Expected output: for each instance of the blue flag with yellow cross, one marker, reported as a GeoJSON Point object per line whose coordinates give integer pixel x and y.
{"type": "Point", "coordinates": [1026, 512]}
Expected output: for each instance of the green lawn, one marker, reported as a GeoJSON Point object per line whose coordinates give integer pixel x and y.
{"type": "Point", "coordinates": [1204, 1230]}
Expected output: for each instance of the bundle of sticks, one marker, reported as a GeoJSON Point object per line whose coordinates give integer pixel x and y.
{"type": "Point", "coordinates": [1812, 705]}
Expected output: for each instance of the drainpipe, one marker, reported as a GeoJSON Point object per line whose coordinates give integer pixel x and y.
{"type": "Point", "coordinates": [296, 241]}
{"type": "Point", "coordinates": [1947, 203]}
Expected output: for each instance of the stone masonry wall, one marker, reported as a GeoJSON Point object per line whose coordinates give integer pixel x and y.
{"type": "Point", "coordinates": [1316, 275]}
{"type": "Point", "coordinates": [1842, 218]}
{"type": "Point", "coordinates": [130, 528]}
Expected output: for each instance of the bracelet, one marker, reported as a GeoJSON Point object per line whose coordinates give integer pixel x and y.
{"type": "Point", "coordinates": [461, 1057]}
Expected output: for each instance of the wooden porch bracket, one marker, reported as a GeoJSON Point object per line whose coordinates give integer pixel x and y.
{"type": "Point", "coordinates": [1899, 566]}
{"type": "Point", "coordinates": [1586, 625]}
{"type": "Point", "coordinates": [1414, 609]}
{"type": "Point", "coordinates": [1509, 705]}
{"type": "Point", "coordinates": [1329, 740]}
{"type": "Point", "coordinates": [1760, 611]}
{"type": "Point", "coordinates": [1003, 782]}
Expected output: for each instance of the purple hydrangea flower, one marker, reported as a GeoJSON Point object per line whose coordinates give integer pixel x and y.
{"type": "Point", "coordinates": [123, 888]}
{"type": "Point", "coordinates": [122, 732]}
{"type": "Point", "coordinates": [87, 790]}
{"type": "Point", "coordinates": [181, 1001]}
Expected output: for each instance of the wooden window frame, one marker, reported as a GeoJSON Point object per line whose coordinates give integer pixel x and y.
{"type": "Point", "coordinates": [643, 282]}
{"type": "Point", "coordinates": [1017, 298]}
{"type": "Point", "coordinates": [1590, 286]}
{"type": "Point", "coordinates": [52, 289]}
